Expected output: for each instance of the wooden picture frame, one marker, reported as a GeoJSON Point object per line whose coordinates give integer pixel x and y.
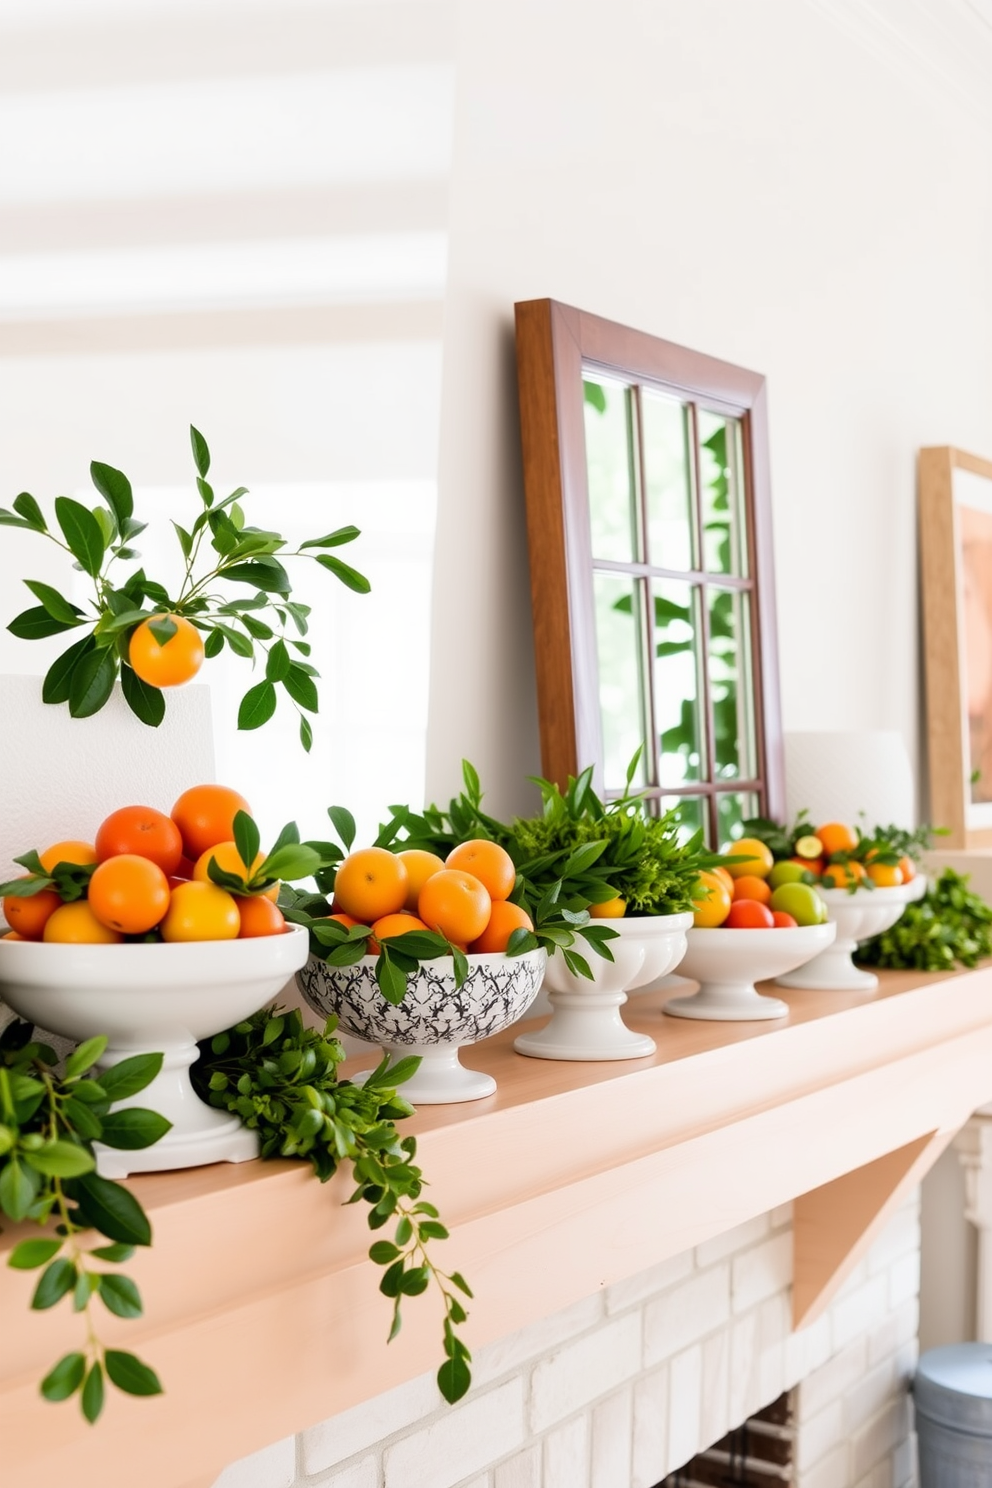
{"type": "Point", "coordinates": [556, 346]}
{"type": "Point", "coordinates": [956, 572]}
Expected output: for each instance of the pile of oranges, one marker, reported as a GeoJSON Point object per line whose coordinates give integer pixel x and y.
{"type": "Point", "coordinates": [151, 880]}
{"type": "Point", "coordinates": [828, 853]}
{"type": "Point", "coordinates": [464, 897]}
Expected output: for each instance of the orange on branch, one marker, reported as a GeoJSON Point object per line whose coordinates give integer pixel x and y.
{"type": "Point", "coordinates": [167, 663]}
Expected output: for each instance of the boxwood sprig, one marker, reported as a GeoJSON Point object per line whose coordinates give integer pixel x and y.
{"type": "Point", "coordinates": [265, 623]}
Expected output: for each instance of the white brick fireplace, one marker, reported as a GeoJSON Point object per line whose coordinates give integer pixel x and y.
{"type": "Point", "coordinates": [627, 1385]}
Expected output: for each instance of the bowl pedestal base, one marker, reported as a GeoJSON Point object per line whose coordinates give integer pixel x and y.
{"type": "Point", "coordinates": [727, 1002]}
{"type": "Point", "coordinates": [585, 1026]}
{"type": "Point", "coordinates": [832, 971]}
{"type": "Point", "coordinates": [441, 1080]}
{"type": "Point", "coordinates": [199, 1135]}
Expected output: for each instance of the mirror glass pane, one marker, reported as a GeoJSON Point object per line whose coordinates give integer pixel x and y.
{"type": "Point", "coordinates": [611, 469]}
{"type": "Point", "coordinates": [677, 682]}
{"type": "Point", "coordinates": [731, 809]}
{"type": "Point", "coordinates": [619, 611]}
{"type": "Point", "coordinates": [665, 432]}
{"type": "Point", "coordinates": [721, 494]}
{"type": "Point", "coordinates": [692, 813]}
{"type": "Point", "coordinates": [730, 684]}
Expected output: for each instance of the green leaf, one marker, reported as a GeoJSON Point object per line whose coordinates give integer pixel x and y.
{"type": "Point", "coordinates": [35, 624]}
{"type": "Point", "coordinates": [293, 860]}
{"type": "Point", "coordinates": [26, 507]}
{"type": "Point", "coordinates": [113, 1253]}
{"type": "Point", "coordinates": [383, 1252]}
{"type": "Point", "coordinates": [83, 1121]}
{"type": "Point", "coordinates": [239, 644]}
{"type": "Point", "coordinates": [459, 1281]}
{"type": "Point", "coordinates": [8, 519]}
{"type": "Point", "coordinates": [201, 455]}
{"type": "Point", "coordinates": [301, 688]}
{"type": "Point", "coordinates": [92, 683]}
{"type": "Point", "coordinates": [112, 1210]}
{"type": "Point", "coordinates": [58, 679]}
{"type": "Point", "coordinates": [115, 488]}
{"type": "Point", "coordinates": [32, 1253]}
{"type": "Point", "coordinates": [145, 701]}
{"type": "Point", "coordinates": [53, 602]}
{"type": "Point", "coordinates": [344, 824]}
{"type": "Point", "coordinates": [120, 1295]}
{"type": "Point", "coordinates": [453, 1379]}
{"type": "Point", "coordinates": [130, 1375]}
{"type": "Point", "coordinates": [55, 1281]}
{"type": "Point", "coordinates": [392, 981]}
{"type": "Point", "coordinates": [306, 734]}
{"type": "Point", "coordinates": [61, 1159]}
{"type": "Point", "coordinates": [257, 706]}
{"type": "Point", "coordinates": [263, 572]}
{"type": "Point", "coordinates": [348, 575]}
{"type": "Point", "coordinates": [82, 533]}
{"type": "Point", "coordinates": [92, 1401]}
{"type": "Point", "coordinates": [415, 1281]}
{"type": "Point", "coordinates": [246, 838]}
{"type": "Point", "coordinates": [163, 628]}
{"type": "Point", "coordinates": [130, 1076]}
{"type": "Point", "coordinates": [333, 539]}
{"type": "Point", "coordinates": [278, 665]}
{"type": "Point", "coordinates": [185, 540]}
{"type": "Point", "coordinates": [85, 1057]}
{"type": "Point", "coordinates": [134, 1128]}
{"type": "Point", "coordinates": [213, 645]}
{"type": "Point", "coordinates": [65, 1379]}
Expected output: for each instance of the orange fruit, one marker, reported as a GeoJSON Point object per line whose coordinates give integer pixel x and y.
{"type": "Point", "coordinates": [761, 861]}
{"type": "Point", "coordinates": [842, 874]}
{"type": "Point", "coordinates": [370, 883]}
{"type": "Point", "coordinates": [837, 837]}
{"type": "Point", "coordinates": [784, 921]}
{"type": "Point", "coordinates": [809, 865]}
{"type": "Point", "coordinates": [129, 894]}
{"type": "Point", "coordinates": [259, 916]}
{"type": "Point", "coordinates": [504, 919]}
{"type": "Point", "coordinates": [28, 916]}
{"type": "Point", "coordinates": [456, 904]}
{"type": "Point", "coordinates": [486, 861]}
{"type": "Point", "coordinates": [76, 924]}
{"type": "Point", "coordinates": [142, 830]}
{"type": "Point", "coordinates": [419, 865]}
{"type": "Point", "coordinates": [392, 924]}
{"type": "Point", "coordinates": [70, 851]}
{"type": "Point", "coordinates": [201, 911]}
{"type": "Point", "coordinates": [227, 857]}
{"type": "Point", "coordinates": [750, 887]}
{"type": "Point", "coordinates": [908, 869]}
{"type": "Point", "coordinates": [342, 919]}
{"type": "Point", "coordinates": [726, 878]}
{"type": "Point", "coordinates": [712, 899]}
{"type": "Point", "coordinates": [205, 816]}
{"type": "Point", "coordinates": [13, 935]}
{"type": "Point", "coordinates": [885, 875]}
{"type": "Point", "coordinates": [169, 663]}
{"type": "Point", "coordinates": [612, 909]}
{"type": "Point", "coordinates": [748, 914]}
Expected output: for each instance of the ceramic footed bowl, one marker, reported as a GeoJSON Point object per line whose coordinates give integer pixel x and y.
{"type": "Point", "coordinates": [585, 1022]}
{"type": "Point", "coordinates": [434, 1019]}
{"type": "Point", "coordinates": [857, 916]}
{"type": "Point", "coordinates": [155, 999]}
{"type": "Point", "coordinates": [727, 963]}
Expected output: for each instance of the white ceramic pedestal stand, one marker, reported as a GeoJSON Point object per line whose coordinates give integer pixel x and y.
{"type": "Point", "coordinates": [727, 963]}
{"type": "Point", "coordinates": [441, 1080]}
{"type": "Point", "coordinates": [857, 916]}
{"type": "Point", "coordinates": [155, 999]}
{"type": "Point", "coordinates": [585, 1021]}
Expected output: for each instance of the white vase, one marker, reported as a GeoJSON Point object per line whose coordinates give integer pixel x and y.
{"type": "Point", "coordinates": [727, 963]}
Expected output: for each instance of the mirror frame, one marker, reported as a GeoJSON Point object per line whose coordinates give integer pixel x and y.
{"type": "Point", "coordinates": [556, 344]}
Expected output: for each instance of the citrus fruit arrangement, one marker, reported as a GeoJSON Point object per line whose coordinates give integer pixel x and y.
{"type": "Point", "coordinates": [196, 874]}
{"type": "Point", "coordinates": [749, 894]}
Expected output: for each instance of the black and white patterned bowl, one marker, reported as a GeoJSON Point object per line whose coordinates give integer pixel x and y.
{"type": "Point", "coordinates": [434, 1019]}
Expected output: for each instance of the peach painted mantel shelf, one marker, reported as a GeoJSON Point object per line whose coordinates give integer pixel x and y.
{"type": "Point", "coordinates": [262, 1309]}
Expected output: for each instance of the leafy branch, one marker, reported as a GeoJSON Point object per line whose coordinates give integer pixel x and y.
{"type": "Point", "coordinates": [267, 622]}
{"type": "Point", "coordinates": [48, 1125]}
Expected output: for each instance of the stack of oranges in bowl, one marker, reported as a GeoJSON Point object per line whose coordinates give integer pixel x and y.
{"type": "Point", "coordinates": [145, 876]}
{"type": "Point", "coordinates": [464, 897]}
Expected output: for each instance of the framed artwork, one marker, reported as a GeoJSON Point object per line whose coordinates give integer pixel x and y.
{"type": "Point", "coordinates": [649, 527]}
{"type": "Point", "coordinates": [956, 569]}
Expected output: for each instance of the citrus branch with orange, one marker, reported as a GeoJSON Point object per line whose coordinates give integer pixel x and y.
{"type": "Point", "coordinates": [150, 640]}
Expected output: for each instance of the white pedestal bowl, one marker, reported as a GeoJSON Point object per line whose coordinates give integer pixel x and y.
{"type": "Point", "coordinates": [857, 916]}
{"type": "Point", "coordinates": [585, 1021]}
{"type": "Point", "coordinates": [155, 999]}
{"type": "Point", "coordinates": [435, 1018]}
{"type": "Point", "coordinates": [727, 963]}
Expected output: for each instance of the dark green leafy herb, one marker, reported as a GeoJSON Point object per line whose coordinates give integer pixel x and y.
{"type": "Point", "coordinates": [950, 926]}
{"type": "Point", "coordinates": [48, 1125]}
{"type": "Point", "coordinates": [98, 539]}
{"type": "Point", "coordinates": [281, 1079]}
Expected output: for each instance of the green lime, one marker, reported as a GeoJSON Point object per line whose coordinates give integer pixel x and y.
{"type": "Point", "coordinates": [799, 900]}
{"type": "Point", "coordinates": [809, 847]}
{"type": "Point", "coordinates": [786, 873]}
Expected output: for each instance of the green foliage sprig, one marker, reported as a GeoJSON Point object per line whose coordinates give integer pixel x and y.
{"type": "Point", "coordinates": [949, 926]}
{"type": "Point", "coordinates": [258, 622]}
{"type": "Point", "coordinates": [48, 1124]}
{"type": "Point", "coordinates": [281, 1079]}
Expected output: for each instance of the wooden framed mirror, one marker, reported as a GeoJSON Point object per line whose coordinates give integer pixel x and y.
{"type": "Point", "coordinates": [652, 582]}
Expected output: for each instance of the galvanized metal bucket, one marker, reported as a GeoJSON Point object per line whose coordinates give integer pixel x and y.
{"type": "Point", "coordinates": [952, 1392]}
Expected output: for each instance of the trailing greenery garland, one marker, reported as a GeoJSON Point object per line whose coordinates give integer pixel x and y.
{"type": "Point", "coordinates": [949, 926]}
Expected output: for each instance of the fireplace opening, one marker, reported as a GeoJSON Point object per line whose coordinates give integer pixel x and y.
{"type": "Point", "coordinates": [758, 1454]}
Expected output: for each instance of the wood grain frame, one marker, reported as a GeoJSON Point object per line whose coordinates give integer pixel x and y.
{"type": "Point", "coordinates": [943, 647]}
{"type": "Point", "coordinates": [555, 342]}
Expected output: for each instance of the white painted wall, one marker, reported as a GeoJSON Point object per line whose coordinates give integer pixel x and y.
{"type": "Point", "coordinates": [798, 186]}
